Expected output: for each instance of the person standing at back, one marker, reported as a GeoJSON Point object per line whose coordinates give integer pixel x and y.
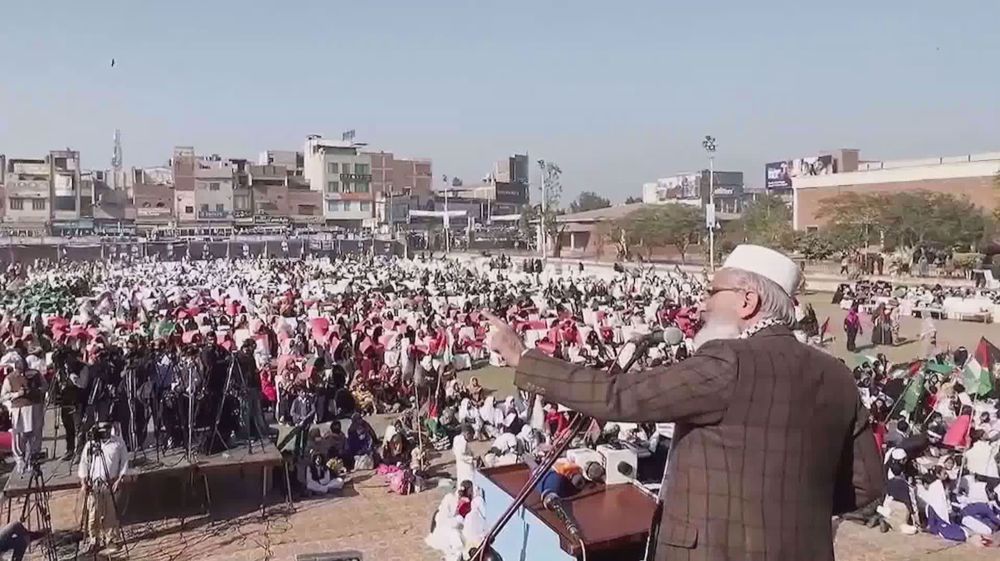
{"type": "Point", "coordinates": [771, 437]}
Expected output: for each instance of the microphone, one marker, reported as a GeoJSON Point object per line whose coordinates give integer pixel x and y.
{"type": "Point", "coordinates": [554, 504]}
{"type": "Point", "coordinates": [669, 335]}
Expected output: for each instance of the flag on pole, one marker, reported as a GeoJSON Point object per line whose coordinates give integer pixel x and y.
{"type": "Point", "coordinates": [914, 391]}
{"type": "Point", "coordinates": [976, 379]}
{"type": "Point", "coordinates": [958, 433]}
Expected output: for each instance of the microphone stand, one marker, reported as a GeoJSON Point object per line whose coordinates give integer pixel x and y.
{"type": "Point", "coordinates": [576, 426]}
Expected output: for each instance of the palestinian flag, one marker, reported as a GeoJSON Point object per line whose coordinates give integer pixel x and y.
{"type": "Point", "coordinates": [987, 355]}
{"type": "Point", "coordinates": [914, 391]}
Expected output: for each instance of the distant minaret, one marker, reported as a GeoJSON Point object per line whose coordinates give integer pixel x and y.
{"type": "Point", "coordinates": [116, 161]}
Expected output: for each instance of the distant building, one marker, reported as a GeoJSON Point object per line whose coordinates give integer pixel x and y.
{"type": "Point", "coordinates": [292, 161]}
{"type": "Point", "coordinates": [154, 206]}
{"type": "Point", "coordinates": [970, 176]}
{"type": "Point", "coordinates": [66, 194]}
{"type": "Point", "coordinates": [213, 192]}
{"type": "Point", "coordinates": [343, 174]}
{"type": "Point", "coordinates": [693, 188]}
{"type": "Point", "coordinates": [28, 193]}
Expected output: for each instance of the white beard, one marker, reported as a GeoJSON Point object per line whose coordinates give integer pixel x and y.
{"type": "Point", "coordinates": [716, 330]}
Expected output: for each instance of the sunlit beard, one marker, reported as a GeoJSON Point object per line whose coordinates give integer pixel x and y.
{"type": "Point", "coordinates": [716, 329]}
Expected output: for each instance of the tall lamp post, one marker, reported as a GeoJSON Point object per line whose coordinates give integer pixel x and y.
{"type": "Point", "coordinates": [709, 145]}
{"type": "Point", "coordinates": [447, 218]}
{"type": "Point", "coordinates": [543, 238]}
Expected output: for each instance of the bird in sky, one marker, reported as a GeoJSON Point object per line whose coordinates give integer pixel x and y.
{"type": "Point", "coordinates": [112, 63]}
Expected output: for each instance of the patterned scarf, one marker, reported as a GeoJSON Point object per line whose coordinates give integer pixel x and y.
{"type": "Point", "coordinates": [758, 327]}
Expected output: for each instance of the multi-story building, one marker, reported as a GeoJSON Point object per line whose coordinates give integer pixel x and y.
{"type": "Point", "coordinates": [28, 192]}
{"type": "Point", "coordinates": [213, 192]}
{"type": "Point", "coordinates": [112, 211]}
{"type": "Point", "coordinates": [269, 197]}
{"type": "Point", "coordinates": [66, 193]}
{"type": "Point", "coordinates": [340, 171]}
{"type": "Point", "coordinates": [292, 161]}
{"type": "Point", "coordinates": [154, 206]}
{"type": "Point", "coordinates": [970, 176]}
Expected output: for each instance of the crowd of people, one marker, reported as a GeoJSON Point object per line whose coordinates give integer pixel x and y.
{"type": "Point", "coordinates": [938, 423]}
{"type": "Point", "coordinates": [196, 355]}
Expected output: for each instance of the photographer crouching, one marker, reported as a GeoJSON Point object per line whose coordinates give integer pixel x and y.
{"type": "Point", "coordinates": [102, 465]}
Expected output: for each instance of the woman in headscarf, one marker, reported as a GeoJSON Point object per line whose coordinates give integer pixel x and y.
{"type": "Point", "coordinates": [852, 327]}
{"type": "Point", "coordinates": [320, 479]}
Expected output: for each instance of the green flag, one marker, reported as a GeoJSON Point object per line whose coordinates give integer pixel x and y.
{"type": "Point", "coordinates": [914, 391]}
{"type": "Point", "coordinates": [946, 368]}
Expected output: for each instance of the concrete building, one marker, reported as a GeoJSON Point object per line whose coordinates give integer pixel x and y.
{"type": "Point", "coordinates": [153, 205]}
{"type": "Point", "coordinates": [213, 192]}
{"type": "Point", "coordinates": [183, 164]}
{"type": "Point", "coordinates": [28, 194]}
{"type": "Point", "coordinates": [971, 176]}
{"type": "Point", "coordinates": [400, 176]}
{"type": "Point", "coordinates": [66, 193]}
{"type": "Point", "coordinates": [340, 171]}
{"type": "Point", "coordinates": [269, 195]}
{"type": "Point", "coordinates": [292, 161]}
{"type": "Point", "coordinates": [305, 207]}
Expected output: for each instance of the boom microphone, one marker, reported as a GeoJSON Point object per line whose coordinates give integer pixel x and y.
{"type": "Point", "coordinates": [554, 504]}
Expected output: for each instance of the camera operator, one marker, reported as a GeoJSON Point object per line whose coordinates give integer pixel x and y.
{"type": "Point", "coordinates": [69, 394]}
{"type": "Point", "coordinates": [163, 372]}
{"type": "Point", "coordinates": [134, 392]}
{"type": "Point", "coordinates": [102, 465]}
{"type": "Point", "coordinates": [251, 377]}
{"type": "Point", "coordinates": [24, 392]}
{"type": "Point", "coordinates": [100, 381]}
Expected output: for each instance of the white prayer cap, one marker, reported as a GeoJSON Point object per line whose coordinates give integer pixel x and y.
{"type": "Point", "coordinates": [898, 454]}
{"type": "Point", "coordinates": [767, 263]}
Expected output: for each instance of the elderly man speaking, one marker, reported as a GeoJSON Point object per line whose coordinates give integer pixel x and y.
{"type": "Point", "coordinates": [771, 437]}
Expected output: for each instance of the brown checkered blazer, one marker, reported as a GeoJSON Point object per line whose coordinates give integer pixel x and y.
{"type": "Point", "coordinates": [771, 441]}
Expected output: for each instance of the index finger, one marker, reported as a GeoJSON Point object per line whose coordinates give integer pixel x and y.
{"type": "Point", "coordinates": [490, 317]}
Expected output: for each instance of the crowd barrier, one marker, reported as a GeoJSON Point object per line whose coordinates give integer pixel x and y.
{"type": "Point", "coordinates": [196, 250]}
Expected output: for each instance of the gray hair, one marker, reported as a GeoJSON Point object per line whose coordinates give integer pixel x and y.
{"type": "Point", "coordinates": [775, 303]}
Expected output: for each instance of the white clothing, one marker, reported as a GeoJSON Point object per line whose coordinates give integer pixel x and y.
{"type": "Point", "coordinates": [115, 457]}
{"type": "Point", "coordinates": [463, 459]}
{"type": "Point", "coordinates": [324, 484]}
{"type": "Point", "coordinates": [981, 458]}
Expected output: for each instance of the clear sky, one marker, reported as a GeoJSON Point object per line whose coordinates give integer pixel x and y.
{"type": "Point", "coordinates": [618, 93]}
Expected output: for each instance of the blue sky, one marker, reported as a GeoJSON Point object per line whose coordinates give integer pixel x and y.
{"type": "Point", "coordinates": [617, 93]}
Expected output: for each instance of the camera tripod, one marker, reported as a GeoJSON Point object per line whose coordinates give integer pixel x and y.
{"type": "Point", "coordinates": [234, 368]}
{"type": "Point", "coordinates": [35, 509]}
{"type": "Point", "coordinates": [94, 451]}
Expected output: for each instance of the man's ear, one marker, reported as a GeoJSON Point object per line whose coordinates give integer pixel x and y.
{"type": "Point", "coordinates": [751, 305]}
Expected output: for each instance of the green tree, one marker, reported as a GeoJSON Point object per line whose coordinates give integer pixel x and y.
{"type": "Point", "coordinates": [630, 200]}
{"type": "Point", "coordinates": [658, 226]}
{"type": "Point", "coordinates": [531, 216]}
{"type": "Point", "coordinates": [588, 200]}
{"type": "Point", "coordinates": [767, 221]}
{"type": "Point", "coordinates": [908, 219]}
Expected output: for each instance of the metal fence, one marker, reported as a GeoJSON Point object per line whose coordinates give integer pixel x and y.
{"type": "Point", "coordinates": [195, 250]}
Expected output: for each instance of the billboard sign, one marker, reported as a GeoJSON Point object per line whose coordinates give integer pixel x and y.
{"type": "Point", "coordinates": [781, 175]}
{"type": "Point", "coordinates": [683, 186]}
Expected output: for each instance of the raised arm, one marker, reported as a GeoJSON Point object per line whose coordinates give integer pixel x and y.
{"type": "Point", "coordinates": [696, 390]}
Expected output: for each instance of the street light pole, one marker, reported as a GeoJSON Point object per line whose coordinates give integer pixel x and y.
{"type": "Point", "coordinates": [447, 218]}
{"type": "Point", "coordinates": [709, 145]}
{"type": "Point", "coordinates": [543, 238]}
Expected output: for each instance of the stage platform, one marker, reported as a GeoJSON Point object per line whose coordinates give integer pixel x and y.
{"type": "Point", "coordinates": [61, 475]}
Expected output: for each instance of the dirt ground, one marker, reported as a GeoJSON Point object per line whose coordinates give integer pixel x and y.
{"type": "Point", "coordinates": [386, 527]}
